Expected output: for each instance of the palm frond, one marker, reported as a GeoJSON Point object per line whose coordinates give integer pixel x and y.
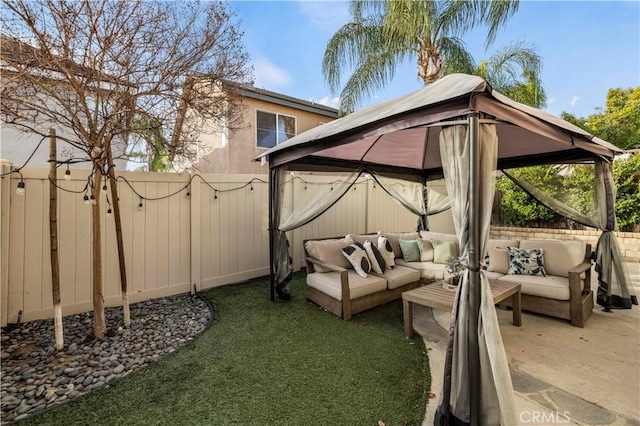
{"type": "Point", "coordinates": [456, 58]}
{"type": "Point", "coordinates": [369, 77]}
{"type": "Point", "coordinates": [348, 47]}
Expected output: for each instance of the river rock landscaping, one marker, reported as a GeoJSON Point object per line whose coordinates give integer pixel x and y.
{"type": "Point", "coordinates": [36, 377]}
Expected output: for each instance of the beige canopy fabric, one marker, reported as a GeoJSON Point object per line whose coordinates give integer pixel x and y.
{"type": "Point", "coordinates": [399, 134]}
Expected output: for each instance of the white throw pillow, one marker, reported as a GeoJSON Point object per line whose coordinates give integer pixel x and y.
{"type": "Point", "coordinates": [358, 259]}
{"type": "Point", "coordinates": [378, 263]}
{"type": "Point", "coordinates": [387, 252]}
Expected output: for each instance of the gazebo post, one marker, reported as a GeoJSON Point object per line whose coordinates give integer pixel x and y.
{"type": "Point", "coordinates": [272, 227]}
{"type": "Point", "coordinates": [474, 271]}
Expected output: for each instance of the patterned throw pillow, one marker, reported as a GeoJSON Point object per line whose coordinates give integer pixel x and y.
{"type": "Point", "coordinates": [378, 263]}
{"type": "Point", "coordinates": [387, 252]}
{"type": "Point", "coordinates": [526, 261]}
{"type": "Point", "coordinates": [358, 259]}
{"type": "Point", "coordinates": [486, 262]}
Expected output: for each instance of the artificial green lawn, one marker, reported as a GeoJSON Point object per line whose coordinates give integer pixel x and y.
{"type": "Point", "coordinates": [266, 363]}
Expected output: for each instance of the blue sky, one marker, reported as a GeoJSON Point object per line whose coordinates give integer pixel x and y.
{"type": "Point", "coordinates": [587, 48]}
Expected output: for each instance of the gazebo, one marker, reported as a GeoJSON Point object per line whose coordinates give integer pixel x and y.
{"type": "Point", "coordinates": [461, 129]}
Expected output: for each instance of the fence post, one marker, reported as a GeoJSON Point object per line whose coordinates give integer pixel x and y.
{"type": "Point", "coordinates": [5, 194]}
{"type": "Point", "coordinates": [195, 227]}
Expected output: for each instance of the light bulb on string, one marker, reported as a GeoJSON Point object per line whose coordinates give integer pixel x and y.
{"type": "Point", "coordinates": [140, 206]}
{"type": "Point", "coordinates": [92, 200]}
{"type": "Point", "coordinates": [104, 188]}
{"type": "Point", "coordinates": [215, 195]}
{"type": "Point", "coordinates": [20, 188]}
{"type": "Point", "coordinates": [109, 212]}
{"type": "Point", "coordinates": [67, 173]}
{"type": "Point", "coordinates": [86, 199]}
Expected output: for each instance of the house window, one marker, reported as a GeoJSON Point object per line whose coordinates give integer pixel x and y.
{"type": "Point", "coordinates": [273, 129]}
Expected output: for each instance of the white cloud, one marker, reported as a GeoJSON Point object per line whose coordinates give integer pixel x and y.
{"type": "Point", "coordinates": [325, 15]}
{"type": "Point", "coordinates": [574, 101]}
{"type": "Point", "coordinates": [269, 76]}
{"type": "Point", "coordinates": [327, 101]}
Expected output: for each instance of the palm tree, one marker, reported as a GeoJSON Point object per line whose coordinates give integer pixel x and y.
{"type": "Point", "coordinates": [514, 71]}
{"type": "Point", "coordinates": [383, 34]}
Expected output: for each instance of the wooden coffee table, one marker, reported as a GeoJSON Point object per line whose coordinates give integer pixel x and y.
{"type": "Point", "coordinates": [433, 295]}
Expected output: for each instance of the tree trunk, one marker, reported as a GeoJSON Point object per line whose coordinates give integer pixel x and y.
{"type": "Point", "coordinates": [118, 223]}
{"type": "Point", "coordinates": [99, 325]}
{"type": "Point", "coordinates": [429, 62]}
{"type": "Point", "coordinates": [53, 234]}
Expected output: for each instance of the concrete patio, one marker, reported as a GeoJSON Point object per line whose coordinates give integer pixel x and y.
{"type": "Point", "coordinates": [561, 374]}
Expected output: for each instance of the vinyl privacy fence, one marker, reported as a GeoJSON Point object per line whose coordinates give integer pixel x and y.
{"type": "Point", "coordinates": [181, 233]}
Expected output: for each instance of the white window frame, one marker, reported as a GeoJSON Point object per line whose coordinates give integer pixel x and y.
{"type": "Point", "coordinates": [276, 114]}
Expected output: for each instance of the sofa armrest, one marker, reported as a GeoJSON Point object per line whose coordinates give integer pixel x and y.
{"type": "Point", "coordinates": [583, 267]}
{"type": "Point", "coordinates": [575, 285]}
{"type": "Point", "coordinates": [344, 282]}
{"type": "Point", "coordinates": [314, 261]}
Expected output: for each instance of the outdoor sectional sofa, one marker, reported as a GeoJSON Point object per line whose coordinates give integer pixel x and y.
{"type": "Point", "coordinates": [565, 292]}
{"type": "Point", "coordinates": [333, 283]}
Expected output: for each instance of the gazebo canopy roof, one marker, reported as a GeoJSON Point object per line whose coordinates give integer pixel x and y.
{"type": "Point", "coordinates": [402, 134]}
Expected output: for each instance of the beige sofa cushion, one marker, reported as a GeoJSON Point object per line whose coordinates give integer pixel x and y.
{"type": "Point", "coordinates": [329, 284]}
{"type": "Point", "coordinates": [427, 269]}
{"type": "Point", "coordinates": [329, 251]}
{"type": "Point", "coordinates": [426, 250]}
{"type": "Point", "coordinates": [440, 236]}
{"type": "Point", "coordinates": [361, 238]}
{"type": "Point", "coordinates": [401, 275]}
{"type": "Point", "coordinates": [493, 276]}
{"type": "Point", "coordinates": [551, 286]}
{"type": "Point", "coordinates": [395, 237]}
{"type": "Point", "coordinates": [559, 256]}
{"type": "Point", "coordinates": [498, 260]}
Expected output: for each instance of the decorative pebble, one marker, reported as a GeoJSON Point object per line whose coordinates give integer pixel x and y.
{"type": "Point", "coordinates": [35, 376]}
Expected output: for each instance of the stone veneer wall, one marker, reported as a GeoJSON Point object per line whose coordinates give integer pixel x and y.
{"type": "Point", "coordinates": [629, 241]}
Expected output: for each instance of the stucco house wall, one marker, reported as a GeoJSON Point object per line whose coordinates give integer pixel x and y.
{"type": "Point", "coordinates": [231, 152]}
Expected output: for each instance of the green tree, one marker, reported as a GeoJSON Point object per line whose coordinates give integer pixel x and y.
{"type": "Point", "coordinates": [627, 176]}
{"type": "Point", "coordinates": [147, 131]}
{"type": "Point", "coordinates": [619, 123]}
{"type": "Point", "coordinates": [383, 34]}
{"type": "Point", "coordinates": [514, 70]}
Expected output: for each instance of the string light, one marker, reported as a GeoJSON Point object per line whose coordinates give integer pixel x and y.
{"type": "Point", "coordinates": [20, 188]}
{"type": "Point", "coordinates": [86, 199]}
{"type": "Point", "coordinates": [251, 186]}
{"type": "Point", "coordinates": [189, 191]}
{"type": "Point", "coordinates": [140, 205]}
{"type": "Point", "coordinates": [104, 188]}
{"type": "Point", "coordinates": [92, 200]}
{"type": "Point", "coordinates": [67, 173]}
{"type": "Point", "coordinates": [215, 195]}
{"type": "Point", "coordinates": [109, 211]}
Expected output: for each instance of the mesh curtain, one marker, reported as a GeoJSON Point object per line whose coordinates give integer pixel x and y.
{"type": "Point", "coordinates": [416, 197]}
{"type": "Point", "coordinates": [497, 405]}
{"type": "Point", "coordinates": [286, 217]}
{"type": "Point", "coordinates": [566, 191]}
